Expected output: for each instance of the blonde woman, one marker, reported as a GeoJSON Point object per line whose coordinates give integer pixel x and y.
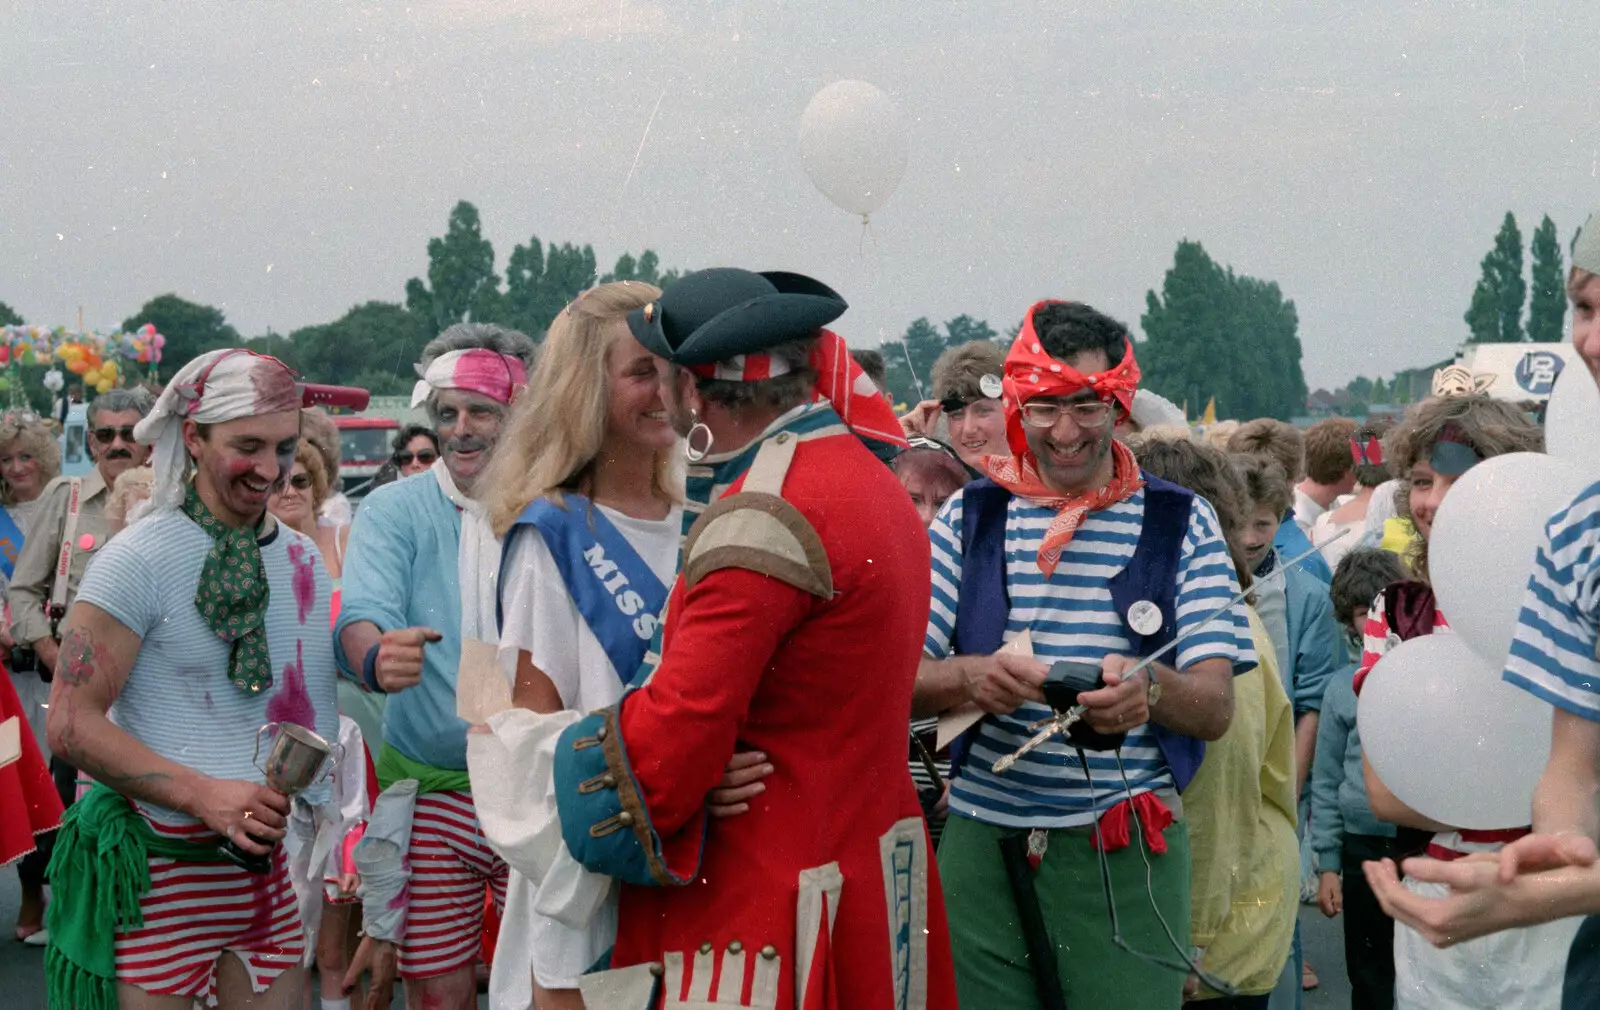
{"type": "Point", "coordinates": [29, 459]}
{"type": "Point", "coordinates": [586, 464]}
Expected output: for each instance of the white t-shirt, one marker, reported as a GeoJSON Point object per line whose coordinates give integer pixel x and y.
{"type": "Point", "coordinates": [540, 617]}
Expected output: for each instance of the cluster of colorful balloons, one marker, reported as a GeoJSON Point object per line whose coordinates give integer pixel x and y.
{"type": "Point", "coordinates": [100, 374]}
{"type": "Point", "coordinates": [102, 359]}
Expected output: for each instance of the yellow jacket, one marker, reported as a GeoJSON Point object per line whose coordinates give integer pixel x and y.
{"type": "Point", "coordinates": [1241, 813]}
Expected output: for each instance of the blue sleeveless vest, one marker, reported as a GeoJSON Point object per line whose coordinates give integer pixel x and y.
{"type": "Point", "coordinates": [983, 605]}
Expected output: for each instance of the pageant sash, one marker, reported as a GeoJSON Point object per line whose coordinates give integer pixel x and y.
{"type": "Point", "coordinates": [10, 543]}
{"type": "Point", "coordinates": [617, 594]}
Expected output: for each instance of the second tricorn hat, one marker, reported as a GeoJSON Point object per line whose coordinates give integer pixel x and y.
{"type": "Point", "coordinates": [716, 314]}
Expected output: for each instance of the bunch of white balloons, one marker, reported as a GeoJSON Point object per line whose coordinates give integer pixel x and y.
{"type": "Point", "coordinates": [1440, 727]}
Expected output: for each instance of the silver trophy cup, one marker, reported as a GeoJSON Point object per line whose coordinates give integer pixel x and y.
{"type": "Point", "coordinates": [296, 760]}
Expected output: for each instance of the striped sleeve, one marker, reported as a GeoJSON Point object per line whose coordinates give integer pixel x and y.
{"type": "Point", "coordinates": [122, 583]}
{"type": "Point", "coordinates": [1553, 654]}
{"type": "Point", "coordinates": [1374, 642]}
{"type": "Point", "coordinates": [944, 537]}
{"type": "Point", "coordinates": [1206, 581]}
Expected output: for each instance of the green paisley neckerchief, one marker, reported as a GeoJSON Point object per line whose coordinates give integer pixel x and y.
{"type": "Point", "coordinates": [232, 596]}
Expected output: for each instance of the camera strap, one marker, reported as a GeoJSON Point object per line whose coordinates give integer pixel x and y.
{"type": "Point", "coordinates": [69, 534]}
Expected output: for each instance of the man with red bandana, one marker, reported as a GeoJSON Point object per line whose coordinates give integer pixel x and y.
{"type": "Point", "coordinates": [1099, 564]}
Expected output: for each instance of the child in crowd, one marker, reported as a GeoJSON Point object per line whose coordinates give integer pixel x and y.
{"type": "Point", "coordinates": [1344, 832]}
{"type": "Point", "coordinates": [1245, 863]}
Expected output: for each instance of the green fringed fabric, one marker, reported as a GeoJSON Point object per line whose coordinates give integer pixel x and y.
{"type": "Point", "coordinates": [100, 871]}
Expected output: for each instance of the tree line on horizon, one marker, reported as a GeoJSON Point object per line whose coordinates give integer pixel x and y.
{"type": "Point", "coordinates": [1209, 332]}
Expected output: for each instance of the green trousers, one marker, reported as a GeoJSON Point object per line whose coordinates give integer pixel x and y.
{"type": "Point", "coordinates": [991, 957]}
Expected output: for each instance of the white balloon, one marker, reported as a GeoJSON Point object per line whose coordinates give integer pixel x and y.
{"type": "Point", "coordinates": [1449, 738]}
{"type": "Point", "coordinates": [853, 146]}
{"type": "Point", "coordinates": [1484, 540]}
{"type": "Point", "coordinates": [1572, 420]}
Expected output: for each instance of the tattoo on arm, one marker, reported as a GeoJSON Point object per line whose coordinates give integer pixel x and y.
{"type": "Point", "coordinates": [79, 657]}
{"type": "Point", "coordinates": [82, 660]}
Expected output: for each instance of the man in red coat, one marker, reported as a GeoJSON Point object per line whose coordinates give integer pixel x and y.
{"type": "Point", "coordinates": [793, 634]}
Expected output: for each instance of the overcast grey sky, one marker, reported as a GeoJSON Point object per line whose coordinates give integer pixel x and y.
{"type": "Point", "coordinates": [287, 160]}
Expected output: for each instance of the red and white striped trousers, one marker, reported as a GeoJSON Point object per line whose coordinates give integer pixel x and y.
{"type": "Point", "coordinates": [195, 911]}
{"type": "Point", "coordinates": [450, 865]}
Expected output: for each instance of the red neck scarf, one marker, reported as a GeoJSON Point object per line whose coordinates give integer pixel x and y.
{"type": "Point", "coordinates": [840, 381]}
{"type": "Point", "coordinates": [1023, 481]}
{"type": "Point", "coordinates": [1031, 372]}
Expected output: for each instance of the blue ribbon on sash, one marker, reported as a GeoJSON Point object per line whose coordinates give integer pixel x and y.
{"type": "Point", "coordinates": [10, 543]}
{"type": "Point", "coordinates": [620, 598]}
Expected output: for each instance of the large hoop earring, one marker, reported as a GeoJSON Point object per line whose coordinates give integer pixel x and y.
{"type": "Point", "coordinates": [691, 453]}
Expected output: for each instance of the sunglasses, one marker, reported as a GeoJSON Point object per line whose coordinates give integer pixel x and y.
{"type": "Point", "coordinates": [105, 436]}
{"type": "Point", "coordinates": [425, 457]}
{"type": "Point", "coordinates": [300, 481]}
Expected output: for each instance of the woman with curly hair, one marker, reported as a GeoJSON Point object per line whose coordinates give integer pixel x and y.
{"type": "Point", "coordinates": [1437, 443]}
{"type": "Point", "coordinates": [29, 459]}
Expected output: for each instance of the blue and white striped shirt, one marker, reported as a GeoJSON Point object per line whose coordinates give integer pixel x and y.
{"type": "Point", "coordinates": [1071, 616]}
{"type": "Point", "coordinates": [1553, 652]}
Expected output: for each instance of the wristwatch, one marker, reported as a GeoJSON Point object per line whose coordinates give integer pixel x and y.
{"type": "Point", "coordinates": [1154, 694]}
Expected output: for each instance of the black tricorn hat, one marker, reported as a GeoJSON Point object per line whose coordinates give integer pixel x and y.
{"type": "Point", "coordinates": [716, 314]}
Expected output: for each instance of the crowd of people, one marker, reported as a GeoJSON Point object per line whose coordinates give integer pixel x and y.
{"type": "Point", "coordinates": [668, 666]}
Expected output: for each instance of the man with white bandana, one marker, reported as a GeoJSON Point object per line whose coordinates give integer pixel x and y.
{"type": "Point", "coordinates": [419, 580]}
{"type": "Point", "coordinates": [190, 631]}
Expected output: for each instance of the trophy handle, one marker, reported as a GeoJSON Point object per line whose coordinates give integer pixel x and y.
{"type": "Point", "coordinates": [255, 759]}
{"type": "Point", "coordinates": [332, 764]}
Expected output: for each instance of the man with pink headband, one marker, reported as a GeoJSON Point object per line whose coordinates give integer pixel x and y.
{"type": "Point", "coordinates": [1099, 564]}
{"type": "Point", "coordinates": [191, 630]}
{"type": "Point", "coordinates": [419, 579]}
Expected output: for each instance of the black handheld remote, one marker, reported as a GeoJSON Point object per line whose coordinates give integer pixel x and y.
{"type": "Point", "coordinates": [1062, 685]}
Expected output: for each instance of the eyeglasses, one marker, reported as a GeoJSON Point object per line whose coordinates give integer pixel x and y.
{"type": "Point", "coordinates": [425, 457]}
{"type": "Point", "coordinates": [105, 436]}
{"type": "Point", "coordinates": [300, 481]}
{"type": "Point", "coordinates": [1089, 414]}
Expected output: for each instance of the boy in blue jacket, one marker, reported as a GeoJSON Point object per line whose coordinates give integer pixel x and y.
{"type": "Point", "coordinates": [1344, 832]}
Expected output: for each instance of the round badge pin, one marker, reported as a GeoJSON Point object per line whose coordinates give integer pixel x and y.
{"type": "Point", "coordinates": [86, 542]}
{"type": "Point", "coordinates": [990, 386]}
{"type": "Point", "coordinates": [1144, 617]}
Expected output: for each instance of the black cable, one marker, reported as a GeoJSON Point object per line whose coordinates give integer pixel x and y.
{"type": "Point", "coordinates": [1188, 964]}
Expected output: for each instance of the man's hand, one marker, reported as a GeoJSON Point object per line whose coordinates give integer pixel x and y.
{"type": "Point", "coordinates": [250, 816]}
{"type": "Point", "coordinates": [399, 664]}
{"type": "Point", "coordinates": [48, 650]}
{"type": "Point", "coordinates": [923, 419]}
{"type": "Point", "coordinates": [379, 957]}
{"type": "Point", "coordinates": [1330, 894]}
{"type": "Point", "coordinates": [740, 784]}
{"type": "Point", "coordinates": [1122, 704]}
{"type": "Point", "coordinates": [1000, 683]}
{"type": "Point", "coordinates": [1536, 853]}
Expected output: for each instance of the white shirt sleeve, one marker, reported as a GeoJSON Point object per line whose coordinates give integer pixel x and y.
{"type": "Point", "coordinates": [538, 616]}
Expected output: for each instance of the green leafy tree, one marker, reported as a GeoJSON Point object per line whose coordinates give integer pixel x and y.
{"type": "Point", "coordinates": [8, 316]}
{"type": "Point", "coordinates": [191, 329]}
{"type": "Point", "coordinates": [461, 280]}
{"type": "Point", "coordinates": [540, 283]}
{"type": "Point", "coordinates": [374, 339]}
{"type": "Point", "coordinates": [646, 269]}
{"type": "Point", "coordinates": [1495, 313]}
{"type": "Point", "coordinates": [964, 329]}
{"type": "Point", "coordinates": [1483, 315]}
{"type": "Point", "coordinates": [1211, 332]}
{"type": "Point", "coordinates": [1510, 288]}
{"type": "Point", "coordinates": [1547, 301]}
